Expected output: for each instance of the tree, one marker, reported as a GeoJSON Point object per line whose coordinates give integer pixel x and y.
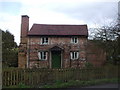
{"type": "Point", "coordinates": [108, 37]}
{"type": "Point", "coordinates": [9, 49]}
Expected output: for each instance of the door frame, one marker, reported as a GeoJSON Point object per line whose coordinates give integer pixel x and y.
{"type": "Point", "coordinates": [61, 50]}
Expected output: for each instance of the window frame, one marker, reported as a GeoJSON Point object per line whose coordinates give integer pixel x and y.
{"type": "Point", "coordinates": [43, 55]}
{"type": "Point", "coordinates": [74, 40]}
{"type": "Point", "coordinates": [74, 55]}
{"type": "Point", "coordinates": [44, 40]}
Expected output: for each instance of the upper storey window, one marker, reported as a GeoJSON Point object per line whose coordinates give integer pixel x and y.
{"type": "Point", "coordinates": [44, 40]}
{"type": "Point", "coordinates": [74, 40]}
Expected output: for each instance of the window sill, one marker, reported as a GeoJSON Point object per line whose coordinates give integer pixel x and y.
{"type": "Point", "coordinates": [44, 44]}
{"type": "Point", "coordinates": [74, 59]}
{"type": "Point", "coordinates": [74, 43]}
{"type": "Point", "coordinates": [43, 60]}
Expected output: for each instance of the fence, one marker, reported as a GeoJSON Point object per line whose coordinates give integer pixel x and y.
{"type": "Point", "coordinates": [36, 77]}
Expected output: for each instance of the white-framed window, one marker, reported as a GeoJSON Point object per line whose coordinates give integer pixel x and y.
{"type": "Point", "coordinates": [44, 40]}
{"type": "Point", "coordinates": [74, 55]}
{"type": "Point", "coordinates": [74, 40]}
{"type": "Point", "coordinates": [42, 55]}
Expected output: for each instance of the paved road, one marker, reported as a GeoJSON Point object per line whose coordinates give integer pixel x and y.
{"type": "Point", "coordinates": [97, 87]}
{"type": "Point", "coordinates": [104, 86]}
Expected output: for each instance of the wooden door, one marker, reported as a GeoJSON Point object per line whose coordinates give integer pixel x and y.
{"type": "Point", "coordinates": [56, 59]}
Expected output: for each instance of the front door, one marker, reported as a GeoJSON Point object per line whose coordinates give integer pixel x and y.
{"type": "Point", "coordinates": [56, 59]}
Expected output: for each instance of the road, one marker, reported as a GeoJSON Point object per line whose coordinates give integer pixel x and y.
{"type": "Point", "coordinates": [104, 86]}
{"type": "Point", "coordinates": [97, 87]}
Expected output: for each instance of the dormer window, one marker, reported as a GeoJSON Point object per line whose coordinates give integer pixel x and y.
{"type": "Point", "coordinates": [44, 40]}
{"type": "Point", "coordinates": [74, 40]}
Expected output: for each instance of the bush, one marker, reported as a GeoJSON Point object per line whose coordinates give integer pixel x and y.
{"type": "Point", "coordinates": [88, 65]}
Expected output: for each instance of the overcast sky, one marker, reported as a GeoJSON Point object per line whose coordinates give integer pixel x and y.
{"type": "Point", "coordinates": [91, 12]}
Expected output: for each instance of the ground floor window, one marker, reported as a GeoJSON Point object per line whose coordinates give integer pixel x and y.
{"type": "Point", "coordinates": [42, 55]}
{"type": "Point", "coordinates": [74, 55]}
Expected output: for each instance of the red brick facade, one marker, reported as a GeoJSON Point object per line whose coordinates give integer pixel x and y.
{"type": "Point", "coordinates": [72, 55]}
{"type": "Point", "coordinates": [61, 42]}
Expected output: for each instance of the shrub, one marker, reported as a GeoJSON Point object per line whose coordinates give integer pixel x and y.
{"type": "Point", "coordinates": [88, 65]}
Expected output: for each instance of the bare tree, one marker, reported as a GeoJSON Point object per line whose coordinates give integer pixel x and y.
{"type": "Point", "coordinates": [108, 37]}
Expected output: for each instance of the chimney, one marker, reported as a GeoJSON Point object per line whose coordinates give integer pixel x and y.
{"type": "Point", "coordinates": [24, 28]}
{"type": "Point", "coordinates": [22, 54]}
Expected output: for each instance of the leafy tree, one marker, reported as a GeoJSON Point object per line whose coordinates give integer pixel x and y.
{"type": "Point", "coordinates": [9, 49]}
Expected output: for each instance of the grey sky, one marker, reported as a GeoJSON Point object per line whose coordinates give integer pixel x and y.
{"type": "Point", "coordinates": [91, 12]}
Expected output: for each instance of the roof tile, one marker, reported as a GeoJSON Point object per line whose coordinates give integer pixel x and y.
{"type": "Point", "coordinates": [46, 29]}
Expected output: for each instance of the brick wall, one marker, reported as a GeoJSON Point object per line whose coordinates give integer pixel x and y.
{"type": "Point", "coordinates": [22, 55]}
{"type": "Point", "coordinates": [95, 54]}
{"type": "Point", "coordinates": [63, 42]}
{"type": "Point", "coordinates": [87, 50]}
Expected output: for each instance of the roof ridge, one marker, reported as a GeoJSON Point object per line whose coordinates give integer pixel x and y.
{"type": "Point", "coordinates": [62, 24]}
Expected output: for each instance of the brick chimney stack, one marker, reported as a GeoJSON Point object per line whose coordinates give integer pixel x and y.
{"type": "Point", "coordinates": [22, 54]}
{"type": "Point", "coordinates": [24, 28]}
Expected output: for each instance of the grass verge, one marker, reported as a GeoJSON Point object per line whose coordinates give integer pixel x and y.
{"type": "Point", "coordinates": [71, 83]}
{"type": "Point", "coordinates": [20, 85]}
{"type": "Point", "coordinates": [78, 83]}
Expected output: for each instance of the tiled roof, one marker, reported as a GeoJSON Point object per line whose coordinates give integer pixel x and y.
{"type": "Point", "coordinates": [46, 29]}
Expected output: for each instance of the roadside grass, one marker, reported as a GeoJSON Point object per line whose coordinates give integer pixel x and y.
{"type": "Point", "coordinates": [70, 83]}
{"type": "Point", "coordinates": [20, 85]}
{"type": "Point", "coordinates": [78, 83]}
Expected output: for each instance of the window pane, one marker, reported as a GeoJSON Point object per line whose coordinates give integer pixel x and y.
{"type": "Point", "coordinates": [75, 55]}
{"type": "Point", "coordinates": [46, 40]}
{"type": "Point", "coordinates": [71, 55]}
{"type": "Point", "coordinates": [72, 40]}
{"type": "Point", "coordinates": [40, 55]}
{"type": "Point", "coordinates": [75, 39]}
{"type": "Point", "coordinates": [44, 55]}
{"type": "Point", "coordinates": [42, 40]}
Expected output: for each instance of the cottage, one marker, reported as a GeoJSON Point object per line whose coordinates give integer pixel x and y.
{"type": "Point", "coordinates": [53, 46]}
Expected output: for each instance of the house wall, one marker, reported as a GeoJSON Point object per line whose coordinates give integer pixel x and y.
{"type": "Point", "coordinates": [63, 42]}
